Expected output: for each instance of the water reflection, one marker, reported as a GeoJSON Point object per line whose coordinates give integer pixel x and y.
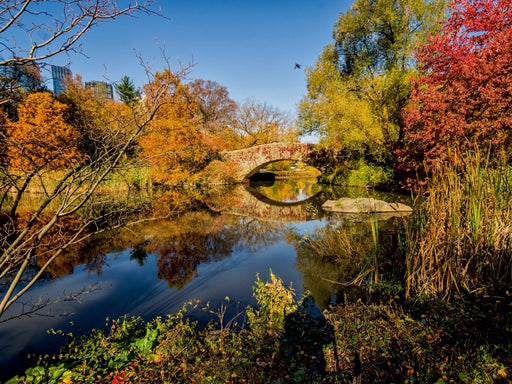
{"type": "Point", "coordinates": [289, 190]}
{"type": "Point", "coordinates": [336, 258]}
{"type": "Point", "coordinates": [250, 202]}
{"type": "Point", "coordinates": [212, 249]}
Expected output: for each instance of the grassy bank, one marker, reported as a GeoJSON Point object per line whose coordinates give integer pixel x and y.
{"type": "Point", "coordinates": [125, 180]}
{"type": "Point", "coordinates": [284, 342]}
{"type": "Point", "coordinates": [461, 237]}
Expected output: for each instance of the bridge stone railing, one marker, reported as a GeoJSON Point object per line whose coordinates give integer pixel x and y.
{"type": "Point", "coordinates": [249, 160]}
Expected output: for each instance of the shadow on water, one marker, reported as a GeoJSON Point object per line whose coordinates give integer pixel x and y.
{"type": "Point", "coordinates": [263, 178]}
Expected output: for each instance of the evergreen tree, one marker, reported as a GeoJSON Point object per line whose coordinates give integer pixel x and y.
{"type": "Point", "coordinates": [127, 91]}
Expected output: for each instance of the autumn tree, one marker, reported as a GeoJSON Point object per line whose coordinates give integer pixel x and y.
{"type": "Point", "coordinates": [174, 145]}
{"type": "Point", "coordinates": [341, 118]}
{"type": "Point", "coordinates": [66, 196]}
{"type": "Point", "coordinates": [30, 32]}
{"type": "Point", "coordinates": [464, 96]}
{"type": "Point", "coordinates": [216, 108]}
{"type": "Point", "coordinates": [361, 82]}
{"type": "Point", "coordinates": [98, 120]}
{"type": "Point", "coordinates": [16, 82]}
{"type": "Point", "coordinates": [256, 123]}
{"type": "Point", "coordinates": [41, 137]}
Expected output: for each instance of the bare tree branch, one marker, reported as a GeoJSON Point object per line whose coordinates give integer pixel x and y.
{"type": "Point", "coordinates": [73, 193]}
{"type": "Point", "coordinates": [35, 30]}
{"type": "Point", "coordinates": [29, 308]}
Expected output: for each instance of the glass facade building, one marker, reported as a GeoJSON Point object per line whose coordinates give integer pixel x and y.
{"type": "Point", "coordinates": [101, 89]}
{"type": "Point", "coordinates": [59, 74]}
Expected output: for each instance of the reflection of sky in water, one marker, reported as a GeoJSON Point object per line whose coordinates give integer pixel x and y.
{"type": "Point", "coordinates": [301, 195]}
{"type": "Point", "coordinates": [132, 289]}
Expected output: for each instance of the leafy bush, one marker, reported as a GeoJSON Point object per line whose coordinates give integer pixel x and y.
{"type": "Point", "coordinates": [288, 343]}
{"type": "Point", "coordinates": [275, 302]}
{"type": "Point", "coordinates": [360, 175]}
{"type": "Point", "coordinates": [369, 176]}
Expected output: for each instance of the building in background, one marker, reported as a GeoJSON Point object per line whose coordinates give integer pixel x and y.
{"type": "Point", "coordinates": [101, 89]}
{"type": "Point", "coordinates": [59, 74]}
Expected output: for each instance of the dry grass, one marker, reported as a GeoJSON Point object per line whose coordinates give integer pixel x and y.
{"type": "Point", "coordinates": [461, 235]}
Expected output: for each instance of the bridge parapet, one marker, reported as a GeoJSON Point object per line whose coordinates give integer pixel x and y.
{"type": "Point", "coordinates": [249, 160]}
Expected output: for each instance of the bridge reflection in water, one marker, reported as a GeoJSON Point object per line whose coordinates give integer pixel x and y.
{"type": "Point", "coordinates": [247, 201]}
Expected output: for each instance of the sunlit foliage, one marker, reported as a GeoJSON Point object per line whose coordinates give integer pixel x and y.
{"type": "Point", "coordinates": [127, 91]}
{"type": "Point", "coordinates": [361, 82]}
{"type": "Point", "coordinates": [41, 137]}
{"type": "Point", "coordinates": [256, 123]}
{"type": "Point", "coordinates": [463, 98]}
{"type": "Point", "coordinates": [173, 144]}
{"type": "Point", "coordinates": [215, 109]}
{"type": "Point", "coordinates": [16, 82]}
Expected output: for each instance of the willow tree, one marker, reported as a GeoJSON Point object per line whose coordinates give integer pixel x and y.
{"type": "Point", "coordinates": [362, 81]}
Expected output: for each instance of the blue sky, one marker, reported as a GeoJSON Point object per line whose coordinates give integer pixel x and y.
{"type": "Point", "coordinates": [250, 47]}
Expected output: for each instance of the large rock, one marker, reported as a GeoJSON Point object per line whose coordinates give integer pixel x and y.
{"type": "Point", "coordinates": [366, 205]}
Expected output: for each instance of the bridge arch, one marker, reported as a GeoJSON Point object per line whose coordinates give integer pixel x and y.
{"type": "Point", "coordinates": [249, 160]}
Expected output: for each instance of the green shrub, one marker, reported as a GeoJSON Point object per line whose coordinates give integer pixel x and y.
{"type": "Point", "coordinates": [360, 175]}
{"type": "Point", "coordinates": [275, 302]}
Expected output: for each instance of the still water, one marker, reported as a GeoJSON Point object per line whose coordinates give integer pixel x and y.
{"type": "Point", "coordinates": [212, 251]}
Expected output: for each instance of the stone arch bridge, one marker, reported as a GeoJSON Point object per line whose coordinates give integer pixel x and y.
{"type": "Point", "coordinates": [249, 160]}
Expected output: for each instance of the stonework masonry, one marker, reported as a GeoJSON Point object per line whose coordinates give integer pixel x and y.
{"type": "Point", "coordinates": [249, 160]}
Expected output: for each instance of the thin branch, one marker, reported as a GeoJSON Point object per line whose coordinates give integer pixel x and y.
{"type": "Point", "coordinates": [77, 20]}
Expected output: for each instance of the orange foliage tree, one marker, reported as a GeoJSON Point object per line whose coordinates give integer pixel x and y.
{"type": "Point", "coordinates": [174, 144]}
{"type": "Point", "coordinates": [103, 124]}
{"type": "Point", "coordinates": [44, 138]}
{"type": "Point", "coordinates": [41, 137]}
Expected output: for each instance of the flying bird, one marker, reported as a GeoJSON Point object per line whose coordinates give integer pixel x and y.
{"type": "Point", "coordinates": [297, 66]}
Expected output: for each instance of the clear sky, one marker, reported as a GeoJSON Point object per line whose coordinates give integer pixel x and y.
{"type": "Point", "coordinates": [250, 47]}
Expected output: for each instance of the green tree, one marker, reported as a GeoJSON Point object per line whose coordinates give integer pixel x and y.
{"type": "Point", "coordinates": [127, 91]}
{"type": "Point", "coordinates": [361, 82]}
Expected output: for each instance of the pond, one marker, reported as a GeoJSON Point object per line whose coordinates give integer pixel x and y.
{"type": "Point", "coordinates": [211, 252]}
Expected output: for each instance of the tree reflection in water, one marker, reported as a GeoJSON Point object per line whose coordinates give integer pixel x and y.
{"type": "Point", "coordinates": [337, 259]}
{"type": "Point", "coordinates": [335, 252]}
{"type": "Point", "coordinates": [180, 244]}
{"type": "Point", "coordinates": [206, 238]}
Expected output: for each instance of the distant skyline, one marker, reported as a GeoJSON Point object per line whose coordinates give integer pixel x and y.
{"type": "Point", "coordinates": [250, 47]}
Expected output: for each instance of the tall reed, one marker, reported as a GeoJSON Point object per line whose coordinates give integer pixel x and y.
{"type": "Point", "coordinates": [460, 238]}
